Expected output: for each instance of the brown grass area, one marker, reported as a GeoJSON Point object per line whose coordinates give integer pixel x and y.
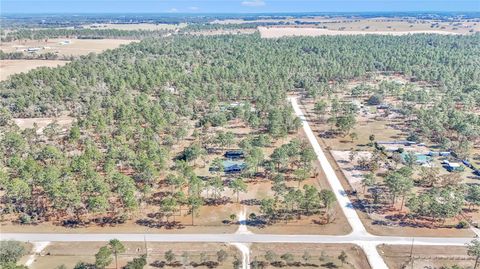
{"type": "Point", "coordinates": [276, 32]}
{"type": "Point", "coordinates": [328, 252]}
{"type": "Point", "coordinates": [425, 256]}
{"type": "Point", "coordinates": [379, 24]}
{"type": "Point", "coordinates": [76, 47]}
{"type": "Point", "coordinates": [70, 253]}
{"type": "Point", "coordinates": [10, 67]}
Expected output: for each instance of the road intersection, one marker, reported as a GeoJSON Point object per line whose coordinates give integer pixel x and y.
{"type": "Point", "coordinates": [243, 237]}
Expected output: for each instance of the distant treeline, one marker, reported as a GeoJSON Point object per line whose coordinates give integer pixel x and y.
{"type": "Point", "coordinates": [62, 20]}
{"type": "Point", "coordinates": [229, 26]}
{"type": "Point", "coordinates": [18, 55]}
{"type": "Point", "coordinates": [82, 34]}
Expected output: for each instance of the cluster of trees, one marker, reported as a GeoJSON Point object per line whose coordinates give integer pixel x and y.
{"type": "Point", "coordinates": [425, 192]}
{"type": "Point", "coordinates": [131, 105]}
{"type": "Point", "coordinates": [39, 34]}
{"type": "Point", "coordinates": [438, 203]}
{"type": "Point", "coordinates": [186, 259]}
{"type": "Point", "coordinates": [198, 27]}
{"type": "Point", "coordinates": [10, 254]}
{"type": "Point", "coordinates": [20, 55]}
{"type": "Point", "coordinates": [453, 128]}
{"type": "Point", "coordinates": [291, 161]}
{"type": "Point", "coordinates": [342, 115]}
{"type": "Point", "coordinates": [291, 202]}
{"type": "Point", "coordinates": [291, 260]}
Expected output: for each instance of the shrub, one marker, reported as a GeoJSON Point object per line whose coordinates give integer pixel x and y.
{"type": "Point", "coordinates": [463, 224]}
{"type": "Point", "coordinates": [375, 100]}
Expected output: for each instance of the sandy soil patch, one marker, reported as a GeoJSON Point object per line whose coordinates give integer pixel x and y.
{"type": "Point", "coordinates": [64, 47]}
{"type": "Point", "coordinates": [425, 256]}
{"type": "Point", "coordinates": [10, 67]}
{"type": "Point", "coordinates": [369, 121]}
{"type": "Point", "coordinates": [354, 176]}
{"type": "Point", "coordinates": [320, 254]}
{"type": "Point", "coordinates": [63, 121]}
{"type": "Point", "coordinates": [276, 32]}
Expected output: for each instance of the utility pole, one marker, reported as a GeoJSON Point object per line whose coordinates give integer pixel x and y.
{"type": "Point", "coordinates": [411, 252]}
{"type": "Point", "coordinates": [146, 247]}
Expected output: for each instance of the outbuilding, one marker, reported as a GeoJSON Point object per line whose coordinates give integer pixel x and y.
{"type": "Point", "coordinates": [234, 154]}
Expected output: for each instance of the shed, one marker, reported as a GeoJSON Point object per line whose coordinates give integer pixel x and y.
{"type": "Point", "coordinates": [234, 154]}
{"type": "Point", "coordinates": [231, 167]}
{"type": "Point", "coordinates": [452, 166]}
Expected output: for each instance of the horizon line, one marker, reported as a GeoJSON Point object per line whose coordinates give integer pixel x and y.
{"type": "Point", "coordinates": [238, 13]}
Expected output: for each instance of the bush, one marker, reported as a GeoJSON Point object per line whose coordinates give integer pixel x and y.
{"type": "Point", "coordinates": [11, 251]}
{"type": "Point", "coordinates": [137, 263]}
{"type": "Point", "coordinates": [463, 225]}
{"type": "Point", "coordinates": [25, 219]}
{"type": "Point", "coordinates": [413, 137]}
{"type": "Point", "coordinates": [375, 100]}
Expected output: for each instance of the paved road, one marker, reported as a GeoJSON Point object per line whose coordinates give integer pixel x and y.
{"type": "Point", "coordinates": [358, 229]}
{"type": "Point", "coordinates": [337, 188]}
{"type": "Point", "coordinates": [235, 238]}
{"type": "Point", "coordinates": [359, 234]}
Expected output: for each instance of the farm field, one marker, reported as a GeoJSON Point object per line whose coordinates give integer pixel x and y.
{"type": "Point", "coordinates": [71, 253]}
{"type": "Point", "coordinates": [64, 50]}
{"type": "Point", "coordinates": [378, 24]}
{"type": "Point", "coordinates": [10, 67]}
{"type": "Point", "coordinates": [276, 32]}
{"type": "Point", "coordinates": [322, 255]}
{"type": "Point", "coordinates": [398, 257]}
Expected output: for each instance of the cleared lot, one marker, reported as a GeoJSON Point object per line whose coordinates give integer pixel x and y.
{"type": "Point", "coordinates": [10, 67]}
{"type": "Point", "coordinates": [425, 257]}
{"type": "Point", "coordinates": [69, 254]}
{"type": "Point", "coordinates": [63, 47]}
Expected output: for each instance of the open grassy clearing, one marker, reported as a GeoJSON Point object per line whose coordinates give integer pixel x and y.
{"type": "Point", "coordinates": [398, 257]}
{"type": "Point", "coordinates": [63, 47]}
{"type": "Point", "coordinates": [69, 254]}
{"type": "Point", "coordinates": [310, 255]}
{"type": "Point", "coordinates": [11, 67]}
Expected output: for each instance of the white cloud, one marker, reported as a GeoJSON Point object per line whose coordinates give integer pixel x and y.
{"type": "Point", "coordinates": [194, 8]}
{"type": "Point", "coordinates": [172, 10]}
{"type": "Point", "coordinates": [253, 3]}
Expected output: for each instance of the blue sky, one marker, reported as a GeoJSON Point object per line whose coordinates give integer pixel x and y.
{"type": "Point", "coordinates": [231, 6]}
